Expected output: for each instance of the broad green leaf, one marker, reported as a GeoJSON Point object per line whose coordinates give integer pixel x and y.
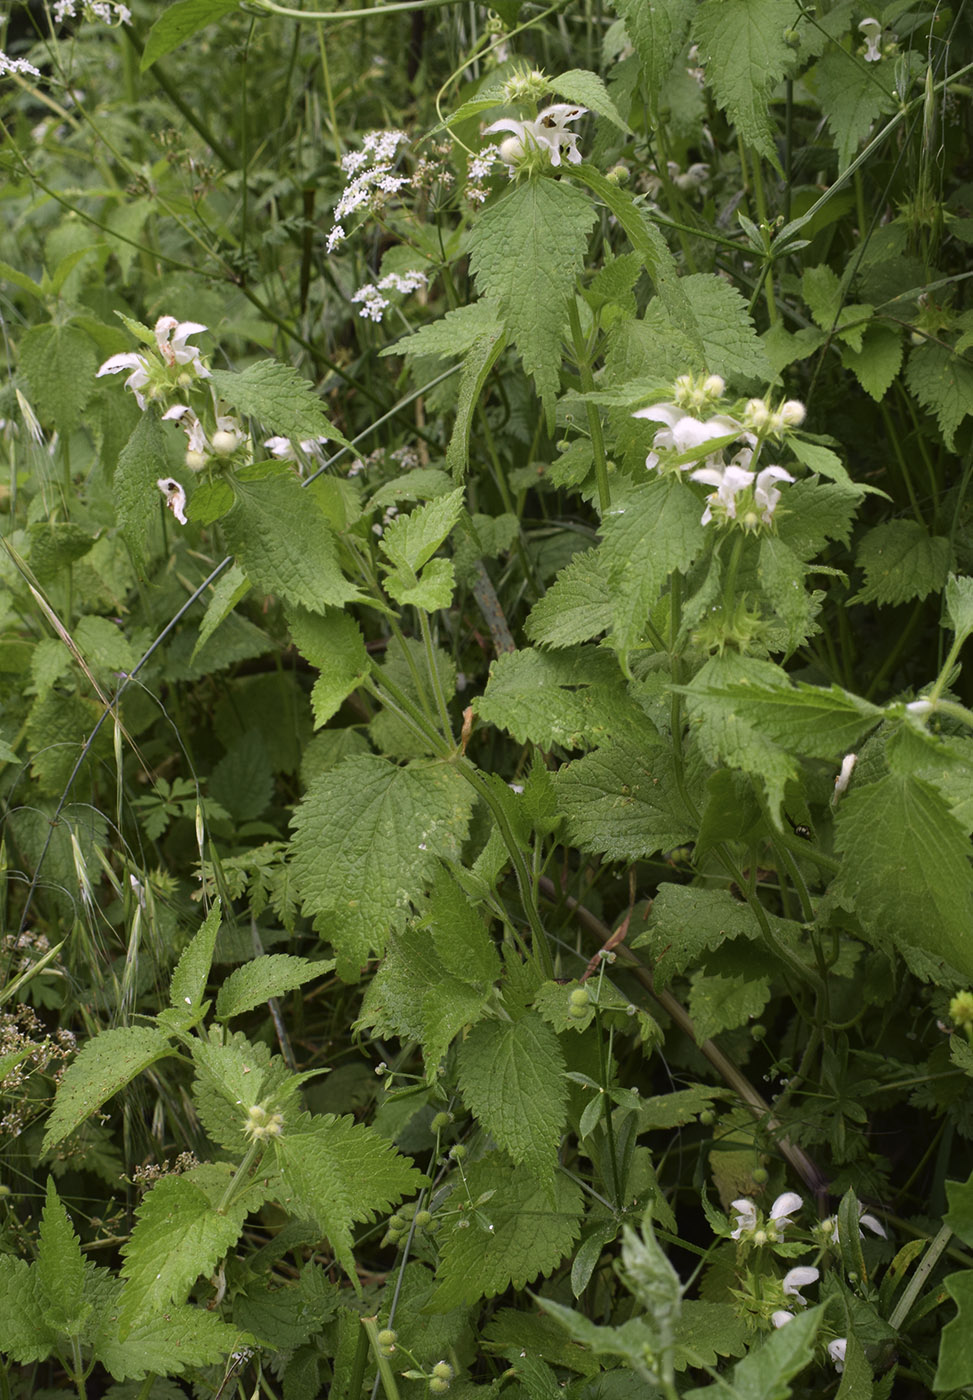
{"type": "Point", "coordinates": [959, 1217]}
{"type": "Point", "coordinates": [284, 543]}
{"type": "Point", "coordinates": [271, 975]}
{"type": "Point", "coordinates": [178, 23]}
{"type": "Point", "coordinates": [336, 1173]}
{"type": "Point", "coordinates": [56, 545]}
{"type": "Point", "coordinates": [623, 801]}
{"type": "Point", "coordinates": [856, 1378]}
{"type": "Point", "coordinates": [742, 45]}
{"type": "Point", "coordinates": [103, 1066]}
{"type": "Point", "coordinates": [25, 1336]}
{"type": "Point", "coordinates": [959, 605]}
{"type": "Point", "coordinates": [60, 1268]}
{"type": "Point", "coordinates": [823, 461]}
{"type": "Point", "coordinates": [483, 355]}
{"type": "Point", "coordinates": [766, 1373]}
{"type": "Point", "coordinates": [141, 462]}
{"type": "Point", "coordinates": [658, 32]}
{"type": "Point", "coordinates": [901, 561]}
{"type": "Point", "coordinates": [942, 381]}
{"type": "Point", "coordinates": [166, 1344]}
{"type": "Point", "coordinates": [707, 1331]}
{"type": "Point", "coordinates": [232, 1078]}
{"type": "Point", "coordinates": [688, 922]}
{"type": "Point", "coordinates": [573, 697]}
{"type": "Point", "coordinates": [587, 89]}
{"type": "Point", "coordinates": [512, 1328]}
{"type": "Point", "coordinates": [514, 1236]}
{"type": "Point", "coordinates": [723, 1003]}
{"type": "Point", "coordinates": [368, 839]}
{"type": "Point", "coordinates": [955, 1368]}
{"type": "Point", "coordinates": [284, 1317]}
{"type": "Point", "coordinates": [188, 985]}
{"type": "Point", "coordinates": [804, 719]}
{"type": "Point", "coordinates": [853, 95]}
{"type": "Point", "coordinates": [731, 345]}
{"type": "Point", "coordinates": [411, 540]}
{"type": "Point", "coordinates": [452, 335]}
{"type": "Point", "coordinates": [229, 590]}
{"type": "Point", "coordinates": [277, 397]}
{"type": "Point", "coordinates": [460, 935]}
{"type": "Point", "coordinates": [634, 1341]}
{"type": "Point", "coordinates": [60, 362]}
{"type": "Point", "coordinates": [576, 607]}
{"type": "Point", "coordinates": [333, 642]}
{"type": "Point", "coordinates": [178, 1235]}
{"type": "Point", "coordinates": [527, 250]}
{"type": "Point", "coordinates": [511, 1076]}
{"type": "Point", "coordinates": [906, 869]}
{"type": "Point", "coordinates": [21, 280]}
{"type": "Point", "coordinates": [210, 502]}
{"type": "Point", "coordinates": [652, 530]}
{"type": "Point", "coordinates": [878, 361]}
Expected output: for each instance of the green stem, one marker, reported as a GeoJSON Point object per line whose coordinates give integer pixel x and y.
{"type": "Point", "coordinates": [761, 203]}
{"type": "Point", "coordinates": [916, 1283]}
{"type": "Point", "coordinates": [253, 1154]}
{"type": "Point", "coordinates": [389, 1383]}
{"type": "Point", "coordinates": [435, 679]}
{"type": "Point", "coordinates": [330, 16]}
{"type": "Point", "coordinates": [943, 678]}
{"type": "Point", "coordinates": [594, 421]}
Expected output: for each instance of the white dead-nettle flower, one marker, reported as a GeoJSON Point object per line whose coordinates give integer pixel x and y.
{"type": "Point", "coordinates": [871, 31]}
{"type": "Point", "coordinates": [680, 432]}
{"type": "Point", "coordinates": [175, 497]}
{"type": "Point", "coordinates": [836, 1350]}
{"type": "Point", "coordinates": [781, 1317]}
{"type": "Point", "coordinates": [796, 1279]}
{"type": "Point", "coordinates": [286, 451]}
{"type": "Point", "coordinates": [781, 1211]}
{"type": "Point", "coordinates": [735, 480]}
{"type": "Point", "coordinates": [547, 133]}
{"type": "Point", "coordinates": [171, 337]}
{"type": "Point", "coordinates": [844, 777]}
{"type": "Point", "coordinates": [920, 707]}
{"type": "Point", "coordinates": [228, 436]}
{"type": "Point", "coordinates": [197, 450]}
{"type": "Point", "coordinates": [17, 65]}
{"type": "Point", "coordinates": [829, 1228]}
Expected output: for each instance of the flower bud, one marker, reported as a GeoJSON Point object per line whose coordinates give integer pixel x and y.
{"type": "Point", "coordinates": [443, 1370]}
{"type": "Point", "coordinates": [224, 442]}
{"type": "Point", "coordinates": [195, 461]}
{"type": "Point", "coordinates": [714, 385]}
{"type": "Point", "coordinates": [792, 413]}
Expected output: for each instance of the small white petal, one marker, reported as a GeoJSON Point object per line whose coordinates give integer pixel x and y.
{"type": "Point", "coordinates": [836, 1350]}
{"type": "Point", "coordinates": [780, 1318]}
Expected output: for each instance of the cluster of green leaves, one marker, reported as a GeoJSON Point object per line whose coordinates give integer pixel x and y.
{"type": "Point", "coordinates": [497, 687]}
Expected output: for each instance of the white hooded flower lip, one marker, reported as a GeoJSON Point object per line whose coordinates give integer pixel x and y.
{"type": "Point", "coordinates": [781, 1317]}
{"type": "Point", "coordinates": [836, 1350]}
{"type": "Point", "coordinates": [796, 1279]}
{"type": "Point", "coordinates": [171, 337]}
{"type": "Point", "coordinates": [746, 1217]}
{"type": "Point", "coordinates": [175, 497]}
{"type": "Point", "coordinates": [784, 1207]}
{"type": "Point", "coordinates": [765, 494]}
{"type": "Point", "coordinates": [871, 31]}
{"type": "Point", "coordinates": [136, 380]}
{"type": "Point", "coordinates": [680, 432]}
{"type": "Point", "coordinates": [546, 132]}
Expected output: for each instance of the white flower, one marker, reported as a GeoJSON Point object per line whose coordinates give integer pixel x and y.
{"type": "Point", "coordinates": [746, 1217]}
{"type": "Point", "coordinates": [680, 432]}
{"type": "Point", "coordinates": [171, 336]}
{"type": "Point", "coordinates": [784, 1207]}
{"type": "Point", "coordinates": [729, 481]}
{"type": "Point", "coordinates": [781, 1211]}
{"type": "Point", "coordinates": [781, 1318]}
{"type": "Point", "coordinates": [135, 381]}
{"type": "Point", "coordinates": [796, 1279]}
{"type": "Point", "coordinates": [16, 65]}
{"type": "Point", "coordinates": [871, 31]}
{"type": "Point", "coordinates": [175, 497]}
{"type": "Point", "coordinates": [284, 450]}
{"type": "Point", "coordinates": [792, 413]}
{"type": "Point", "coordinates": [836, 1350]}
{"type": "Point", "coordinates": [844, 777]}
{"type": "Point", "coordinates": [829, 1227]}
{"type": "Point", "coordinates": [765, 494]}
{"type": "Point", "coordinates": [547, 132]}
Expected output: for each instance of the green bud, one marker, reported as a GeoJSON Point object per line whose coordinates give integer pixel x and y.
{"type": "Point", "coordinates": [457, 1152]}
{"type": "Point", "coordinates": [441, 1122]}
{"type": "Point", "coordinates": [387, 1338]}
{"type": "Point", "coordinates": [443, 1370]}
{"type": "Point", "coordinates": [759, 1176]}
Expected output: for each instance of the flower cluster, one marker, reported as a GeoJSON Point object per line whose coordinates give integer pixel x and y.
{"type": "Point", "coordinates": [225, 440]}
{"type": "Point", "coordinates": [108, 11]}
{"type": "Point", "coordinates": [541, 141]}
{"type": "Point", "coordinates": [791, 1284]}
{"type": "Point", "coordinates": [478, 169]}
{"type": "Point", "coordinates": [16, 65]}
{"type": "Point", "coordinates": [286, 451]}
{"type": "Point", "coordinates": [373, 304]}
{"type": "Point", "coordinates": [689, 425]}
{"type": "Point", "coordinates": [176, 365]}
{"type": "Point", "coordinates": [749, 1225]}
{"type": "Point", "coordinates": [371, 179]}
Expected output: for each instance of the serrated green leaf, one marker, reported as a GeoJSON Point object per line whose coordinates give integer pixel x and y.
{"type": "Point", "coordinates": [512, 1328]}
{"type": "Point", "coordinates": [942, 381]}
{"type": "Point", "coordinates": [652, 530]}
{"type": "Point", "coordinates": [853, 95]}
{"type": "Point", "coordinates": [527, 251]}
{"type": "Point", "coordinates": [529, 1235]}
{"type": "Point", "coordinates": [959, 605]}
{"type": "Point", "coordinates": [368, 839]}
{"type": "Point", "coordinates": [511, 1076]}
{"type": "Point", "coordinates": [59, 362]}
{"type": "Point", "coordinates": [731, 346]}
{"type": "Point", "coordinates": [178, 23]}
{"type": "Point", "coordinates": [587, 89]}
{"type": "Point", "coordinates": [188, 986]}
{"type": "Point", "coordinates": [572, 697]}
{"type": "Point", "coordinates": [766, 1373]}
{"type": "Point", "coordinates": [25, 1336]}
{"type": "Point", "coordinates": [687, 922]}
{"type": "Point", "coordinates": [231, 1078]}
{"type": "Point", "coordinates": [210, 501]}
{"type": "Point", "coordinates": [333, 642]}
{"type": "Point", "coordinates": [103, 1066]}
{"type": "Point", "coordinates": [623, 801]}
{"type": "Point", "coordinates": [742, 44]}
{"type": "Point", "coordinates": [459, 934]}
{"type": "Point", "coordinates": [167, 1344]}
{"type": "Point", "coordinates": [707, 1331]}
{"type": "Point", "coordinates": [901, 561]}
{"type": "Point", "coordinates": [658, 33]}
{"type": "Point", "coordinates": [56, 545]}
{"type": "Point", "coordinates": [432, 591]}
{"type": "Point", "coordinates": [338, 1172]}
{"type": "Point", "coordinates": [271, 975]}
{"type": "Point", "coordinates": [227, 592]}
{"type": "Point", "coordinates": [178, 1235]}
{"type": "Point", "coordinates": [411, 540]}
{"type": "Point", "coordinates": [905, 867]}
{"type": "Point", "coordinates": [284, 543]}
{"type": "Point", "coordinates": [954, 1370]}
{"type": "Point", "coordinates": [804, 719]}
{"type": "Point", "coordinates": [277, 397]}
{"type": "Point", "coordinates": [723, 1003]}
{"type": "Point", "coordinates": [483, 355]}
{"type": "Point", "coordinates": [60, 1268]}
{"type": "Point", "coordinates": [452, 335]}
{"type": "Point", "coordinates": [878, 361]}
{"type": "Point", "coordinates": [140, 464]}
{"type": "Point", "coordinates": [576, 607]}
